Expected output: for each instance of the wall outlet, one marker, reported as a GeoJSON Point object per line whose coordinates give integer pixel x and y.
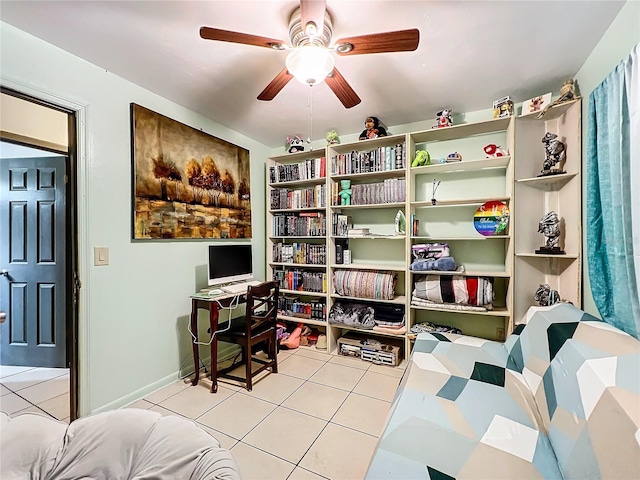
{"type": "Point", "coordinates": [500, 334]}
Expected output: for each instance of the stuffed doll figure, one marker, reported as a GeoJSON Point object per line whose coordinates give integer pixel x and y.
{"type": "Point", "coordinates": [295, 144]}
{"type": "Point", "coordinates": [332, 137]}
{"type": "Point", "coordinates": [372, 129]}
{"type": "Point", "coordinates": [345, 193]}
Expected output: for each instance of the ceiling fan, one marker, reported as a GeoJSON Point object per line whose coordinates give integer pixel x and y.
{"type": "Point", "coordinates": [310, 59]}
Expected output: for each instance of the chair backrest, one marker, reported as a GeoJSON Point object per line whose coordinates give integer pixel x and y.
{"type": "Point", "coordinates": [262, 306]}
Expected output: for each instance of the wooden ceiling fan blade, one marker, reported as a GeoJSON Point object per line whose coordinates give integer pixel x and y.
{"type": "Point", "coordinates": [275, 86]}
{"type": "Point", "coordinates": [342, 89]}
{"type": "Point", "coordinates": [398, 41]}
{"type": "Point", "coordinates": [209, 33]}
{"type": "Point", "coordinates": [313, 11]}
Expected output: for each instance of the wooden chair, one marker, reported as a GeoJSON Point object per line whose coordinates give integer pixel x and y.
{"type": "Point", "coordinates": [257, 326]}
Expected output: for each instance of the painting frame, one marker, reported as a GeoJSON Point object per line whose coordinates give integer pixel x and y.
{"type": "Point", "coordinates": [186, 184]}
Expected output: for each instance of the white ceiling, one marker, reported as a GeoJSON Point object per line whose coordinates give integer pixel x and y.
{"type": "Point", "coordinates": [470, 53]}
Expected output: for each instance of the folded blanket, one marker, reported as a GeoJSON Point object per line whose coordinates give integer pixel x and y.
{"type": "Point", "coordinates": [393, 331]}
{"type": "Point", "coordinates": [372, 284]}
{"type": "Point", "coordinates": [447, 264]}
{"type": "Point", "coordinates": [352, 314]}
{"type": "Point", "coordinates": [455, 289]}
{"type": "Point", "coordinates": [433, 327]}
{"type": "Point", "coordinates": [420, 302]}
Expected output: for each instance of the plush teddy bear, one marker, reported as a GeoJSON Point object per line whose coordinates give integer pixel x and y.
{"type": "Point", "coordinates": [295, 144]}
{"type": "Point", "coordinates": [345, 193]}
{"type": "Point", "coordinates": [373, 129]}
{"type": "Point", "coordinates": [422, 158]}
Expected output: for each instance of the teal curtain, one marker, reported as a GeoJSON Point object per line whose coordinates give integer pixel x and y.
{"type": "Point", "coordinates": [613, 196]}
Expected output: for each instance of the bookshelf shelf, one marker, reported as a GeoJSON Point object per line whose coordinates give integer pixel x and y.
{"type": "Point", "coordinates": [303, 292]}
{"type": "Point", "coordinates": [372, 205]}
{"type": "Point", "coordinates": [464, 166]}
{"type": "Point", "coordinates": [470, 202]}
{"type": "Point", "coordinates": [297, 265]}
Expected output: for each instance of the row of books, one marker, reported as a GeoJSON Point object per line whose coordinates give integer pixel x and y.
{"type": "Point", "coordinates": [302, 224]}
{"type": "Point", "coordinates": [310, 253]}
{"type": "Point", "coordinates": [282, 198]}
{"type": "Point", "coordinates": [305, 170]}
{"type": "Point", "coordinates": [301, 280]}
{"type": "Point", "coordinates": [340, 224]}
{"type": "Point", "coordinates": [294, 307]}
{"type": "Point", "coordinates": [379, 160]}
{"type": "Point", "coordinates": [414, 225]}
{"type": "Point", "coordinates": [391, 190]}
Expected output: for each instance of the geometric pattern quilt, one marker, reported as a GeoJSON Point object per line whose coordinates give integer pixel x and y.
{"type": "Point", "coordinates": [542, 405]}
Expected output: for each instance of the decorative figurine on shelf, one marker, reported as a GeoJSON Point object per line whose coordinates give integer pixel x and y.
{"type": "Point", "coordinates": [345, 193]}
{"type": "Point", "coordinates": [443, 119]}
{"type": "Point", "coordinates": [372, 129]}
{"type": "Point", "coordinates": [503, 107]}
{"type": "Point", "coordinates": [295, 144]}
{"type": "Point", "coordinates": [422, 158]}
{"type": "Point", "coordinates": [549, 227]}
{"type": "Point", "coordinates": [454, 157]}
{"type": "Point", "coordinates": [492, 151]}
{"type": "Point", "coordinates": [332, 137]}
{"type": "Point", "coordinates": [434, 186]}
{"type": "Point", "coordinates": [400, 223]}
{"type": "Point", "coordinates": [546, 296]}
{"type": "Point", "coordinates": [555, 153]}
{"type": "Point", "coordinates": [567, 93]}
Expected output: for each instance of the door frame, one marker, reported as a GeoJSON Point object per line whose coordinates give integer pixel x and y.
{"type": "Point", "coordinates": [77, 234]}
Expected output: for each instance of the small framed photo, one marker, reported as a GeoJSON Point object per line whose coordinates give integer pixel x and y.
{"type": "Point", "coordinates": [536, 104]}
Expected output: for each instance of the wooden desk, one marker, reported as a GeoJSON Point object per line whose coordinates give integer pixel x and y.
{"type": "Point", "coordinates": [212, 305]}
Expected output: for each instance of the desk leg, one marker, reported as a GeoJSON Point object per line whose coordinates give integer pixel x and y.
{"type": "Point", "coordinates": [213, 324]}
{"type": "Point", "coordinates": [194, 330]}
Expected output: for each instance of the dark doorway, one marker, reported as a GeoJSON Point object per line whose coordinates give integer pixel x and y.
{"type": "Point", "coordinates": [39, 250]}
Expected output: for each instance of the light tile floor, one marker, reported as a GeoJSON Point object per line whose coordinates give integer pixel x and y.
{"type": "Point", "coordinates": [29, 389]}
{"type": "Point", "coordinates": [319, 417]}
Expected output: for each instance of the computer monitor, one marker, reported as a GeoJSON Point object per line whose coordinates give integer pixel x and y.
{"type": "Point", "coordinates": [230, 263]}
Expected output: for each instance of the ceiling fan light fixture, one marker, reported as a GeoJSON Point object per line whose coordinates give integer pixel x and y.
{"type": "Point", "coordinates": [310, 64]}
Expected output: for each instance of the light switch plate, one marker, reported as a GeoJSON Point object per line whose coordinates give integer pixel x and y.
{"type": "Point", "coordinates": [100, 256]}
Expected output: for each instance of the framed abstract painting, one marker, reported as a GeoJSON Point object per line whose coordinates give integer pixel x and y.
{"type": "Point", "coordinates": [187, 184]}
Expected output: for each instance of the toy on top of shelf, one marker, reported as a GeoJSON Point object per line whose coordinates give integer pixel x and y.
{"type": "Point", "coordinates": [332, 137]}
{"type": "Point", "coordinates": [373, 129]}
{"type": "Point", "coordinates": [546, 296]}
{"type": "Point", "coordinates": [555, 153]}
{"type": "Point", "coordinates": [454, 157]}
{"type": "Point", "coordinates": [567, 93]}
{"type": "Point", "coordinates": [443, 118]}
{"type": "Point", "coordinates": [535, 104]}
{"type": "Point", "coordinates": [492, 150]}
{"type": "Point", "coordinates": [503, 107]}
{"type": "Point", "coordinates": [548, 226]}
{"type": "Point", "coordinates": [345, 193]}
{"type": "Point", "coordinates": [295, 144]}
{"type": "Point", "coordinates": [422, 158]}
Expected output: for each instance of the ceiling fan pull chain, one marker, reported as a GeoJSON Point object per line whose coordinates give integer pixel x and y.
{"type": "Point", "coordinates": [310, 121]}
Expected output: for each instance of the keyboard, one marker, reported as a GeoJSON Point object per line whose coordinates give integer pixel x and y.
{"type": "Point", "coordinates": [240, 287]}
